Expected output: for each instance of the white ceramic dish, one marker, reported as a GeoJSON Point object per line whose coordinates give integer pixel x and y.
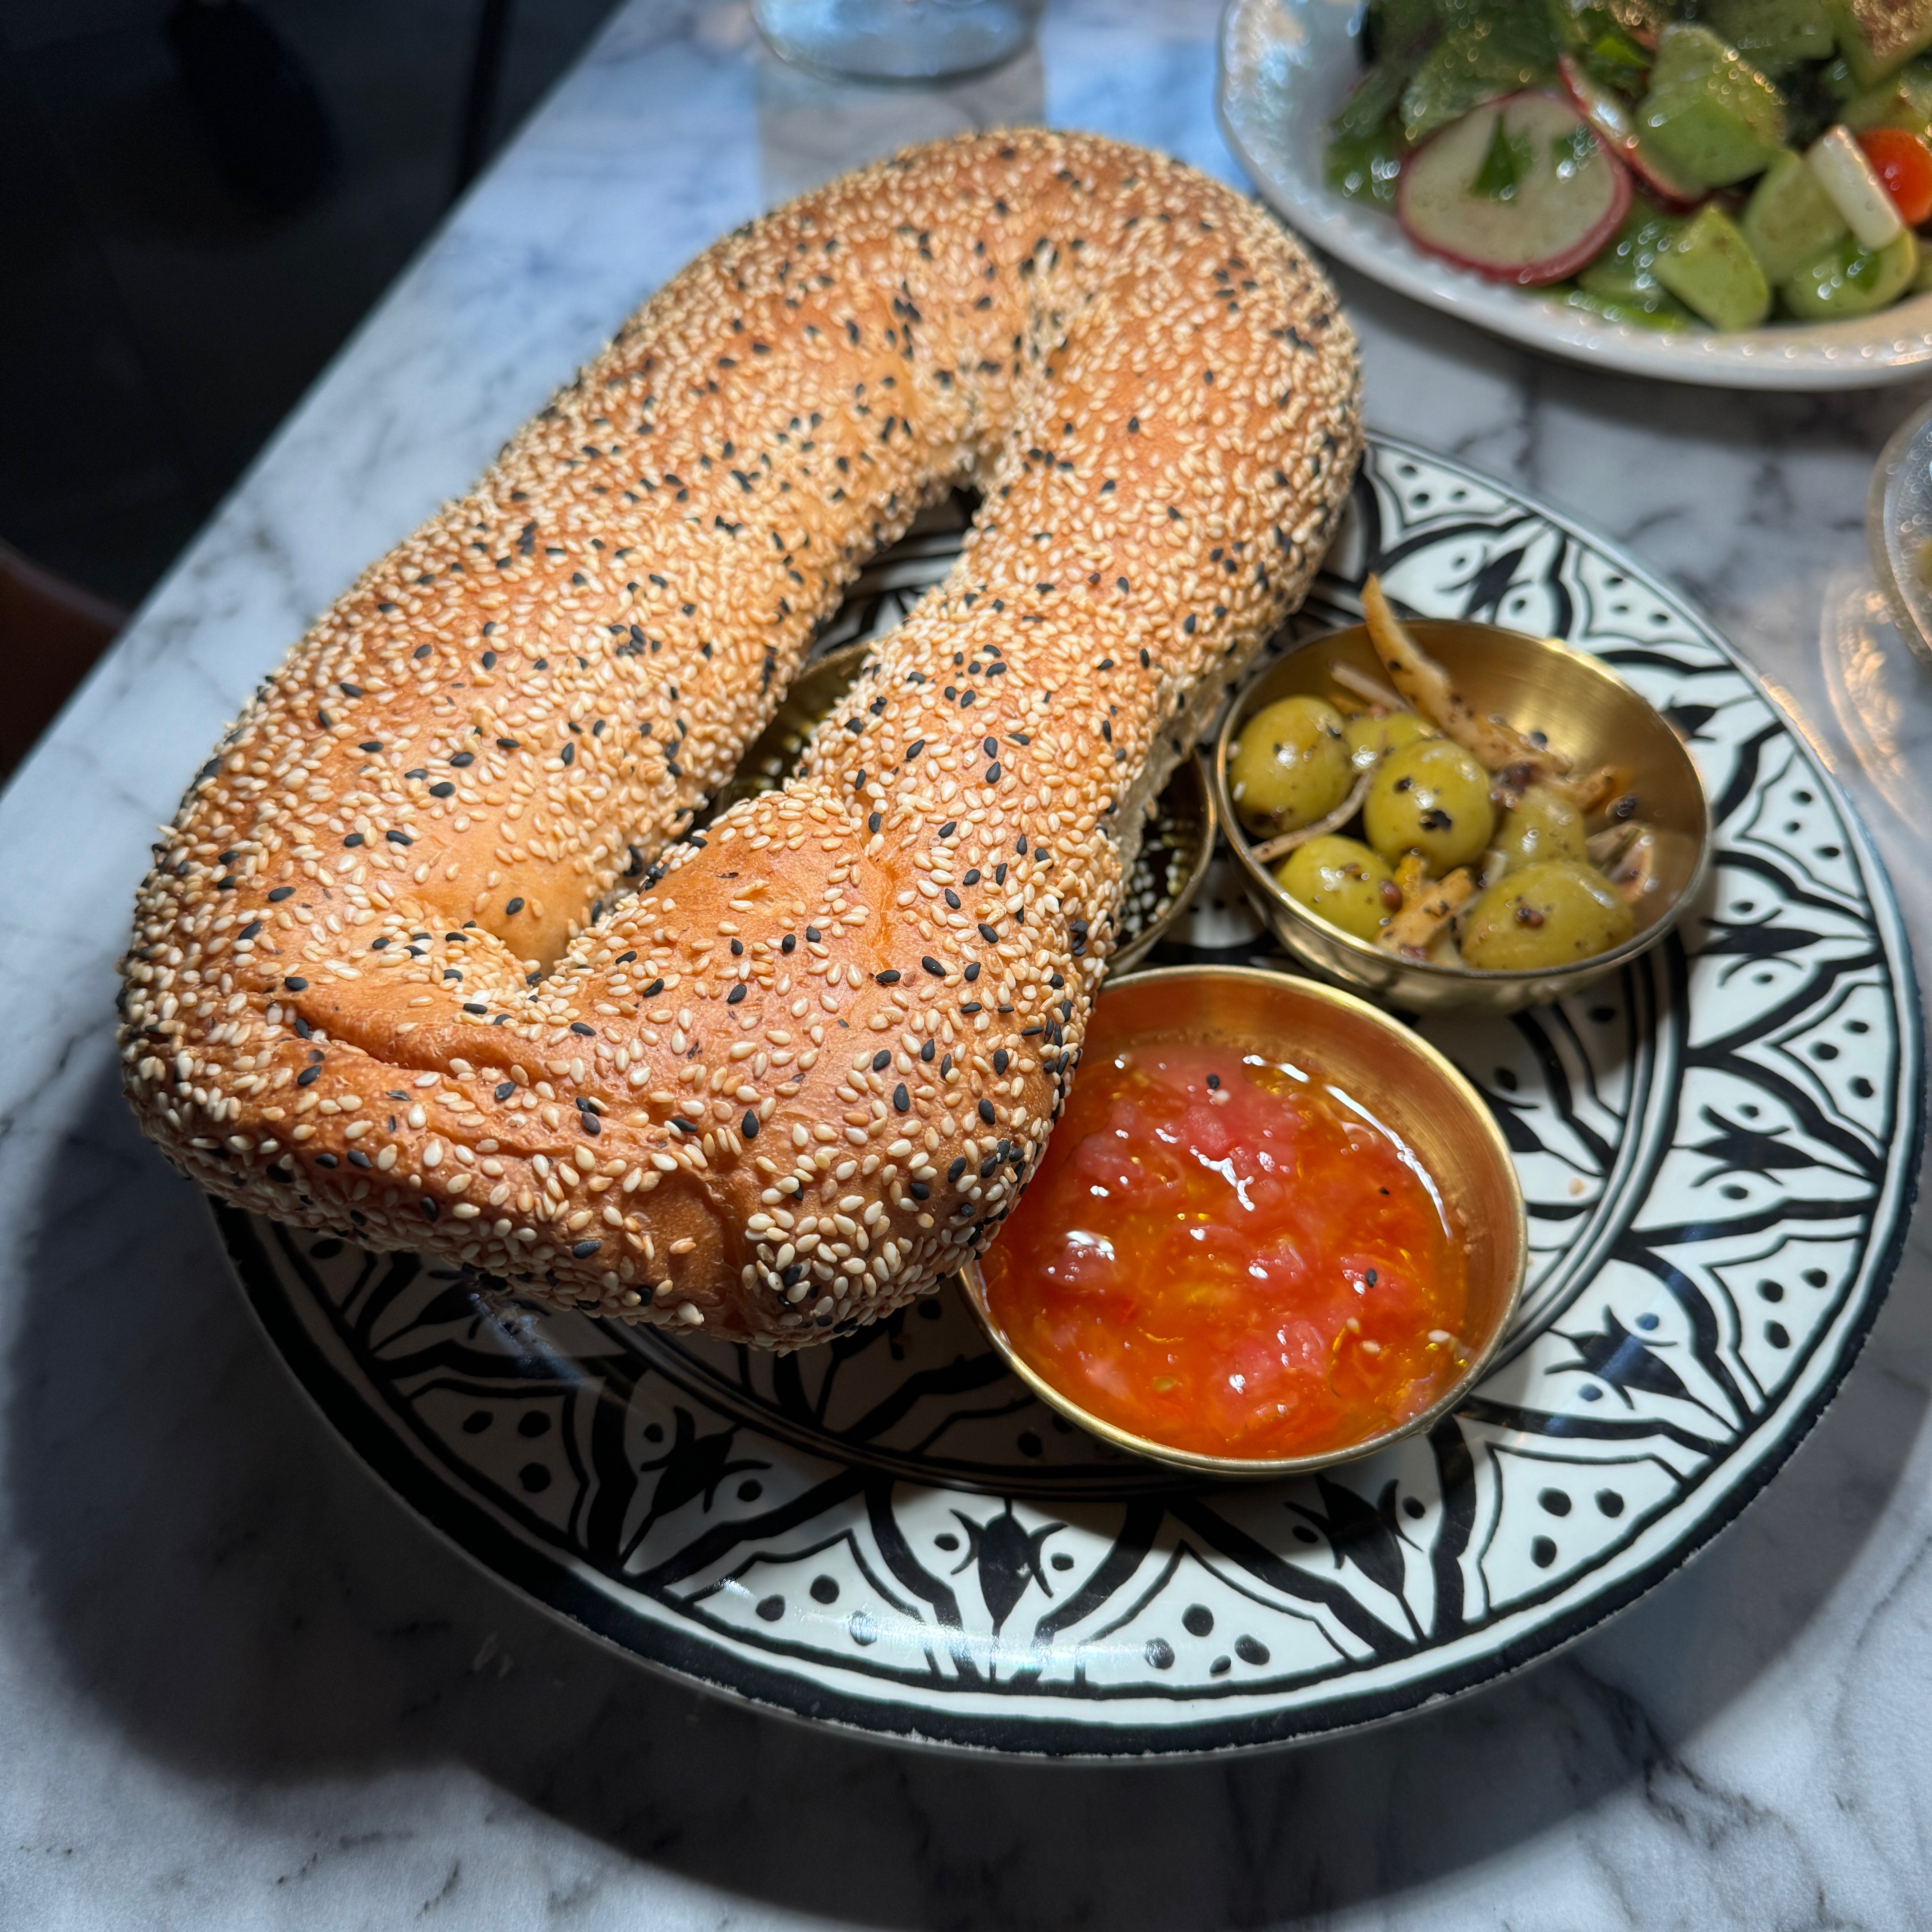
{"type": "Point", "coordinates": [1285, 66]}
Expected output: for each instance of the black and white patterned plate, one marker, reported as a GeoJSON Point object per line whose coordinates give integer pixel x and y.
{"type": "Point", "coordinates": [1719, 1151]}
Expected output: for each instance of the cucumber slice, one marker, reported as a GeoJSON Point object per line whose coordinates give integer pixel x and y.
{"type": "Point", "coordinates": [1711, 116]}
{"type": "Point", "coordinates": [1904, 101]}
{"type": "Point", "coordinates": [1789, 218]}
{"type": "Point", "coordinates": [1549, 195]}
{"type": "Point", "coordinates": [1709, 267]}
{"type": "Point", "coordinates": [1848, 280]}
{"type": "Point", "coordinates": [1624, 274]}
{"type": "Point", "coordinates": [1875, 37]}
{"type": "Point", "coordinates": [1773, 33]}
{"type": "Point", "coordinates": [1664, 319]}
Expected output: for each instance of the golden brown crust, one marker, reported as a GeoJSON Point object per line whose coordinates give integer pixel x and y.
{"type": "Point", "coordinates": [389, 974]}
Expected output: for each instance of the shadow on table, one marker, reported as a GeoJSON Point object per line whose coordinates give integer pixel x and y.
{"type": "Point", "coordinates": [216, 1573]}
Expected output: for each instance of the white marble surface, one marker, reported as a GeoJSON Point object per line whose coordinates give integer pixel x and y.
{"type": "Point", "coordinates": [239, 1687]}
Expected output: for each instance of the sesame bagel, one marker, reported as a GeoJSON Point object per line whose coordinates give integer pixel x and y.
{"type": "Point", "coordinates": [432, 956]}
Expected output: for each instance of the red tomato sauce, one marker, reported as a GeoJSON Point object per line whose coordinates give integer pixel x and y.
{"type": "Point", "coordinates": [1221, 1254]}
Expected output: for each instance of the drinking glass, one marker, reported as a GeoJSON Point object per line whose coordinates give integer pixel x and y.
{"type": "Point", "coordinates": [897, 40]}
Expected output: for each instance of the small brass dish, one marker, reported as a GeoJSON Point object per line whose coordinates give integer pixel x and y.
{"type": "Point", "coordinates": [1579, 707]}
{"type": "Point", "coordinates": [1177, 845]}
{"type": "Point", "coordinates": [1416, 1093]}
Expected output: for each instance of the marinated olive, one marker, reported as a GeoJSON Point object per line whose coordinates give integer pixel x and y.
{"type": "Point", "coordinates": [1340, 880]}
{"type": "Point", "coordinates": [1369, 737]}
{"type": "Point", "coordinates": [1289, 766]}
{"type": "Point", "coordinates": [1542, 824]}
{"type": "Point", "coordinates": [1551, 913]}
{"type": "Point", "coordinates": [1429, 797]}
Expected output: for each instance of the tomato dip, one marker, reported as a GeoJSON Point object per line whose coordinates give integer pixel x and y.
{"type": "Point", "coordinates": [1224, 1253]}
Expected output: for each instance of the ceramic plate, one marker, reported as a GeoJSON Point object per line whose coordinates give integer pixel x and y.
{"type": "Point", "coordinates": [1285, 66]}
{"type": "Point", "coordinates": [1718, 1149]}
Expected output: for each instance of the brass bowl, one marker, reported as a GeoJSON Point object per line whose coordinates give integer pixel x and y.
{"type": "Point", "coordinates": [1581, 708]}
{"type": "Point", "coordinates": [1176, 848]}
{"type": "Point", "coordinates": [1397, 1077]}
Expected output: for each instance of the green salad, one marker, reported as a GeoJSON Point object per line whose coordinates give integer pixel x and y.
{"type": "Point", "coordinates": [1713, 164]}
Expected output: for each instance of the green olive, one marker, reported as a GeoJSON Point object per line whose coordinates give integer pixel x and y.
{"type": "Point", "coordinates": [1289, 766]}
{"type": "Point", "coordinates": [1430, 797]}
{"type": "Point", "coordinates": [1551, 913]}
{"type": "Point", "coordinates": [1542, 824]}
{"type": "Point", "coordinates": [1340, 880]}
{"type": "Point", "coordinates": [1368, 738]}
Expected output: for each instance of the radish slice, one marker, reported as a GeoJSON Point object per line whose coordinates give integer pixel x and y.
{"type": "Point", "coordinates": [1616, 128]}
{"type": "Point", "coordinates": [1522, 190]}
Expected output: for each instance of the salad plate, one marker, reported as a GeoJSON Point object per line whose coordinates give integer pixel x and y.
{"type": "Point", "coordinates": [1286, 66]}
{"type": "Point", "coordinates": [1718, 1148]}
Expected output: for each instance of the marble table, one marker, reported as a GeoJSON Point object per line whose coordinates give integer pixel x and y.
{"type": "Point", "coordinates": [239, 1687]}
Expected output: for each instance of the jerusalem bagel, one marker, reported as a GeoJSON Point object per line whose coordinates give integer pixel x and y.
{"type": "Point", "coordinates": [419, 962]}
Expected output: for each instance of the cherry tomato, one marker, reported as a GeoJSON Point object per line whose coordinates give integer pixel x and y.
{"type": "Point", "coordinates": [1904, 163]}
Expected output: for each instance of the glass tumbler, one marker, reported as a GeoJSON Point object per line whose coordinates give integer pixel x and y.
{"type": "Point", "coordinates": [897, 40]}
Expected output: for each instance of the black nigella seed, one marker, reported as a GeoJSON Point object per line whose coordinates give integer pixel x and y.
{"type": "Point", "coordinates": [901, 1099]}
{"type": "Point", "coordinates": [971, 1006]}
{"type": "Point", "coordinates": [505, 1089]}
{"type": "Point", "coordinates": [307, 1076]}
{"type": "Point", "coordinates": [584, 1250]}
{"type": "Point", "coordinates": [399, 838]}
{"type": "Point", "coordinates": [957, 1168]}
{"type": "Point", "coordinates": [736, 994]}
{"type": "Point", "coordinates": [986, 1111]}
{"type": "Point", "coordinates": [952, 899]}
{"type": "Point", "coordinates": [882, 1060]}
{"type": "Point", "coordinates": [653, 989]}
{"type": "Point", "coordinates": [1000, 1059]}
{"type": "Point", "coordinates": [370, 745]}
{"type": "Point", "coordinates": [578, 1026]}
{"type": "Point", "coordinates": [890, 977]}
{"type": "Point", "coordinates": [972, 971]}
{"type": "Point", "coordinates": [787, 944]}
{"type": "Point", "coordinates": [460, 759]}
{"type": "Point", "coordinates": [812, 935]}
{"type": "Point", "coordinates": [250, 930]}
{"type": "Point", "coordinates": [932, 966]}
{"type": "Point", "coordinates": [926, 1052]}
{"type": "Point", "coordinates": [357, 1158]}
{"type": "Point", "coordinates": [920, 1191]}
{"type": "Point", "coordinates": [514, 906]}
{"type": "Point", "coordinates": [281, 893]}
{"type": "Point", "coordinates": [750, 1126]}
{"type": "Point", "coordinates": [295, 985]}
{"type": "Point", "coordinates": [445, 790]}
{"type": "Point", "coordinates": [327, 1160]}
{"type": "Point", "coordinates": [972, 878]}
{"type": "Point", "coordinates": [873, 820]}
{"type": "Point", "coordinates": [472, 1006]}
{"type": "Point", "coordinates": [354, 839]}
{"type": "Point", "coordinates": [951, 826]}
{"type": "Point", "coordinates": [988, 933]}
{"type": "Point", "coordinates": [1214, 1081]}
